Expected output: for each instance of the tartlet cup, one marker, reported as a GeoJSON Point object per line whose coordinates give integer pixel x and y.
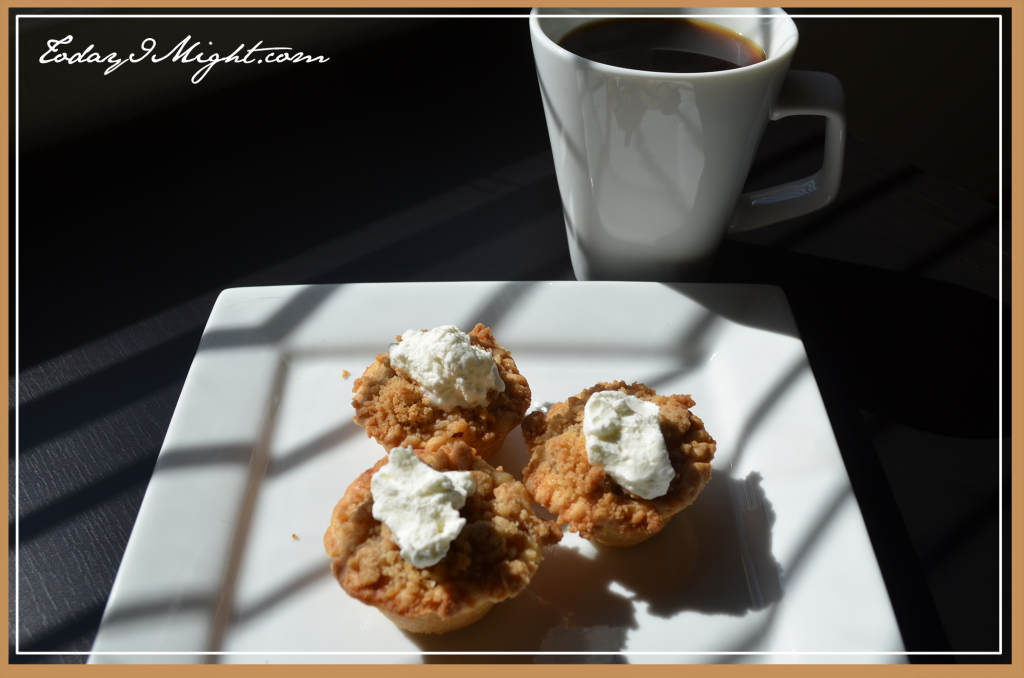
{"type": "Point", "coordinates": [393, 409]}
{"type": "Point", "coordinates": [492, 559]}
{"type": "Point", "coordinates": [590, 502]}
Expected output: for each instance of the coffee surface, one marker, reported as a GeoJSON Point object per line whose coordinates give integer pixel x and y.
{"type": "Point", "coordinates": [662, 45]}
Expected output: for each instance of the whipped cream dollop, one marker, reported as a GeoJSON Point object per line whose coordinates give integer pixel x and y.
{"type": "Point", "coordinates": [420, 505]}
{"type": "Point", "coordinates": [623, 438]}
{"type": "Point", "coordinates": [448, 368]}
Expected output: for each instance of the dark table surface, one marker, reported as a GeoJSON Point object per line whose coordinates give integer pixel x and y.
{"type": "Point", "coordinates": [330, 174]}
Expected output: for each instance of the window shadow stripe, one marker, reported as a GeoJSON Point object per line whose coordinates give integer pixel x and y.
{"type": "Point", "coordinates": [81, 626]}
{"type": "Point", "coordinates": [501, 302]}
{"type": "Point", "coordinates": [260, 460]}
{"type": "Point", "coordinates": [762, 167]}
{"type": "Point", "coordinates": [36, 522]}
{"type": "Point", "coordinates": [813, 536]}
{"type": "Point", "coordinates": [449, 240]}
{"type": "Point", "coordinates": [106, 391]}
{"type": "Point", "coordinates": [137, 613]}
{"type": "Point", "coordinates": [262, 606]}
{"type": "Point", "coordinates": [204, 456]}
{"type": "Point", "coordinates": [966, 528]}
{"type": "Point", "coordinates": [764, 407]}
{"type": "Point", "coordinates": [315, 448]}
{"type": "Point", "coordinates": [275, 328]}
{"type": "Point", "coordinates": [954, 244]}
{"type": "Point", "coordinates": [845, 205]}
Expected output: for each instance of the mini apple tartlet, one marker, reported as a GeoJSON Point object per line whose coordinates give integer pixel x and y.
{"type": "Point", "coordinates": [438, 385]}
{"type": "Point", "coordinates": [434, 539]}
{"type": "Point", "coordinates": [616, 462]}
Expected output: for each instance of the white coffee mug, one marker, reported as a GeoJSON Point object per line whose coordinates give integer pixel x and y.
{"type": "Point", "coordinates": [648, 194]}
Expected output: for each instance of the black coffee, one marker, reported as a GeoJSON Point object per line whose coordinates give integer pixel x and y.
{"type": "Point", "coordinates": [662, 45]}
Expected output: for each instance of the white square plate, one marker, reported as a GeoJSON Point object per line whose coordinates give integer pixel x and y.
{"type": "Point", "coordinates": [772, 562]}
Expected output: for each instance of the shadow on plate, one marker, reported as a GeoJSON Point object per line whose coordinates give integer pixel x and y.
{"type": "Point", "coordinates": [715, 558]}
{"type": "Point", "coordinates": [760, 306]}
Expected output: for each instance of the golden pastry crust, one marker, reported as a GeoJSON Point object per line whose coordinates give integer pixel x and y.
{"type": "Point", "coordinates": [562, 480]}
{"type": "Point", "coordinates": [393, 410]}
{"type": "Point", "coordinates": [493, 558]}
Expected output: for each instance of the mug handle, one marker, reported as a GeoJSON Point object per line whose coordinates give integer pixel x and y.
{"type": "Point", "coordinates": [803, 93]}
